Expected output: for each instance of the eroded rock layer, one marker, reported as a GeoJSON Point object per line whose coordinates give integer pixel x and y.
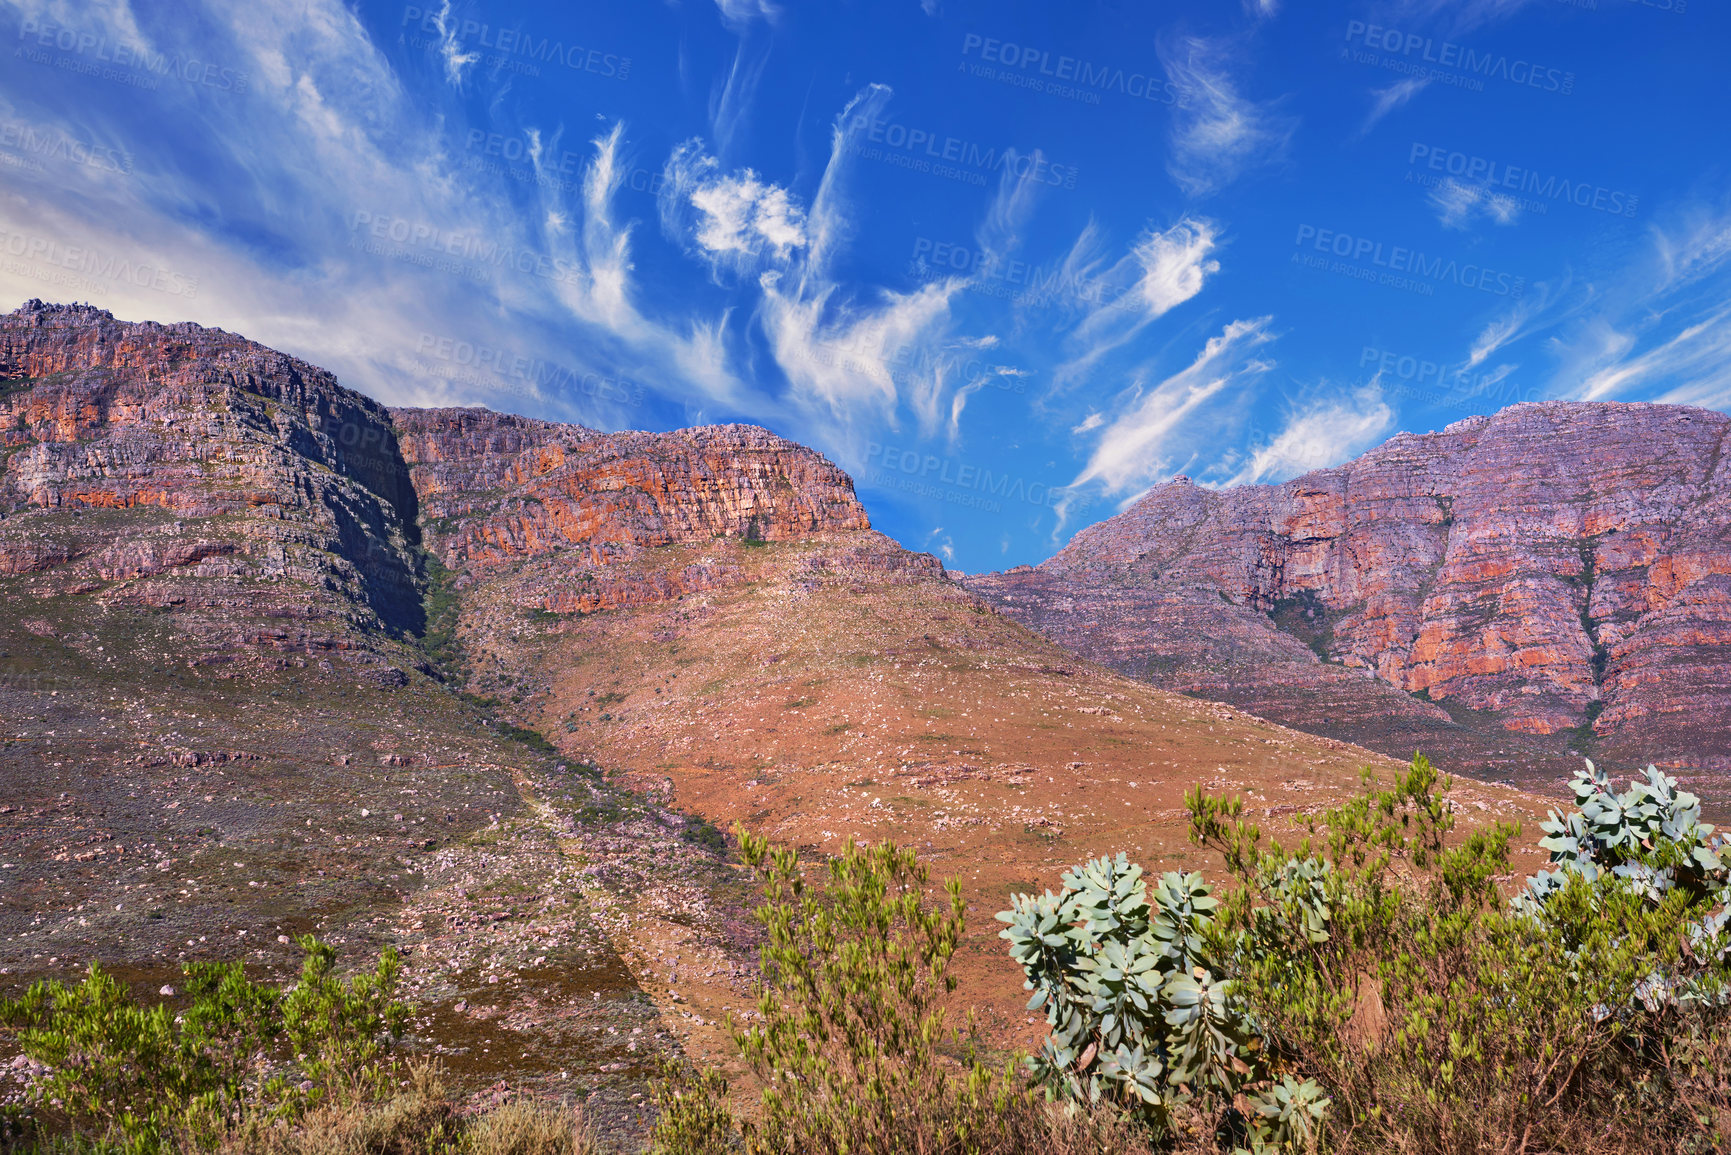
{"type": "Point", "coordinates": [137, 457]}
{"type": "Point", "coordinates": [1556, 565]}
{"type": "Point", "coordinates": [500, 491]}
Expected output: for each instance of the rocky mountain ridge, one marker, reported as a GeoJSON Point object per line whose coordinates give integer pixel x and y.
{"type": "Point", "coordinates": [136, 458]}
{"type": "Point", "coordinates": [1557, 566]}
{"type": "Point", "coordinates": [499, 491]}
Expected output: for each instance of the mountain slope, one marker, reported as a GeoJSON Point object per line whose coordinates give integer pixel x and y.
{"type": "Point", "coordinates": [275, 659]}
{"type": "Point", "coordinates": [219, 727]}
{"type": "Point", "coordinates": [818, 682]}
{"type": "Point", "coordinates": [1554, 566]}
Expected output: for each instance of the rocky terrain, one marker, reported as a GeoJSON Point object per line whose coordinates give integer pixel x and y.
{"type": "Point", "coordinates": [221, 724]}
{"type": "Point", "coordinates": [814, 680]}
{"type": "Point", "coordinates": [1557, 571]}
{"type": "Point", "coordinates": [500, 490]}
{"type": "Point", "coordinates": [276, 659]}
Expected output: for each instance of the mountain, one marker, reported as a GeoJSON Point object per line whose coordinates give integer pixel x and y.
{"type": "Point", "coordinates": [1557, 575]}
{"type": "Point", "coordinates": [277, 659]}
{"type": "Point", "coordinates": [221, 724]}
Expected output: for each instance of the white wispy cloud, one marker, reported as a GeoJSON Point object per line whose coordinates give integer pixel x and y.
{"type": "Point", "coordinates": [940, 540]}
{"type": "Point", "coordinates": [324, 214]}
{"type": "Point", "coordinates": [1162, 270]}
{"type": "Point", "coordinates": [739, 14]}
{"type": "Point", "coordinates": [1692, 248]}
{"type": "Point", "coordinates": [1218, 134]}
{"type": "Point", "coordinates": [1548, 303]}
{"type": "Point", "coordinates": [1691, 367]}
{"type": "Point", "coordinates": [598, 289]}
{"type": "Point", "coordinates": [731, 100]}
{"type": "Point", "coordinates": [1659, 328]}
{"type": "Point", "coordinates": [1134, 450]}
{"type": "Point", "coordinates": [1000, 230]}
{"type": "Point", "coordinates": [1458, 204]}
{"type": "Point", "coordinates": [450, 51]}
{"type": "Point", "coordinates": [733, 220]}
{"type": "Point", "coordinates": [1324, 432]}
{"type": "Point", "coordinates": [1386, 100]}
{"type": "Point", "coordinates": [839, 349]}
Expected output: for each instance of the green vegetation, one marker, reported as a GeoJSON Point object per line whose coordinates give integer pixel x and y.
{"type": "Point", "coordinates": [442, 605]}
{"type": "Point", "coordinates": [533, 739]}
{"type": "Point", "coordinates": [1368, 989]}
{"type": "Point", "coordinates": [1369, 986]}
{"type": "Point", "coordinates": [704, 833]}
{"type": "Point", "coordinates": [145, 1079]}
{"type": "Point", "coordinates": [853, 1051]}
{"type": "Point", "coordinates": [1378, 962]}
{"type": "Point", "coordinates": [1306, 617]}
{"type": "Point", "coordinates": [251, 1069]}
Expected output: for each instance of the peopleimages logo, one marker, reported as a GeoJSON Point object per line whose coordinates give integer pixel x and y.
{"type": "Point", "coordinates": [1400, 264]}
{"type": "Point", "coordinates": [512, 156]}
{"type": "Point", "coordinates": [1001, 277]}
{"type": "Point", "coordinates": [899, 467]}
{"type": "Point", "coordinates": [99, 48]}
{"type": "Point", "coordinates": [1411, 53]}
{"type": "Point", "coordinates": [925, 147]}
{"type": "Point", "coordinates": [83, 268]}
{"type": "Point", "coordinates": [1068, 76]}
{"type": "Point", "coordinates": [56, 145]}
{"type": "Point", "coordinates": [457, 355]}
{"type": "Point", "coordinates": [1535, 191]}
{"type": "Point", "coordinates": [1424, 378]}
{"type": "Point", "coordinates": [508, 44]}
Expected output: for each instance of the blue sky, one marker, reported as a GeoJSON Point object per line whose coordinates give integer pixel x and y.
{"type": "Point", "coordinates": [1008, 263]}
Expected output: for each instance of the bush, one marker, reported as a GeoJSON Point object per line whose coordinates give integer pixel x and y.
{"type": "Point", "coordinates": [1139, 1011]}
{"type": "Point", "coordinates": [143, 1078]}
{"type": "Point", "coordinates": [420, 1119]}
{"type": "Point", "coordinates": [853, 1050]}
{"type": "Point", "coordinates": [692, 1112]}
{"type": "Point", "coordinates": [704, 834]}
{"type": "Point", "coordinates": [1373, 989]}
{"type": "Point", "coordinates": [526, 1127]}
{"type": "Point", "coordinates": [853, 1016]}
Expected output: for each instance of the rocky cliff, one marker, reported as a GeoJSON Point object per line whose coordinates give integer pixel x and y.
{"type": "Point", "coordinates": [136, 458]}
{"type": "Point", "coordinates": [498, 491]}
{"type": "Point", "coordinates": [139, 457]}
{"type": "Point", "coordinates": [1555, 566]}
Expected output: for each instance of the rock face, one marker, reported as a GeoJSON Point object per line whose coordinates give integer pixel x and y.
{"type": "Point", "coordinates": [154, 454]}
{"type": "Point", "coordinates": [1555, 565]}
{"type": "Point", "coordinates": [498, 491]}
{"type": "Point", "coordinates": [142, 458]}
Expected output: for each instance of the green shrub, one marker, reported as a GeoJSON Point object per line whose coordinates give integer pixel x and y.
{"type": "Point", "coordinates": [704, 833]}
{"type": "Point", "coordinates": [1372, 989]}
{"type": "Point", "coordinates": [854, 979]}
{"type": "Point", "coordinates": [692, 1112]}
{"type": "Point", "coordinates": [143, 1078]}
{"type": "Point", "coordinates": [853, 1052]}
{"type": "Point", "coordinates": [1140, 1013]}
{"type": "Point", "coordinates": [533, 739]}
